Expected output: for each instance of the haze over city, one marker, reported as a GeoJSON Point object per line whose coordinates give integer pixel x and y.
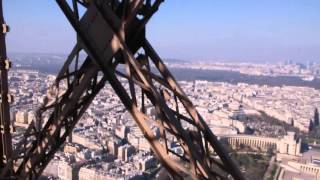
{"type": "Point", "coordinates": [209, 89]}
{"type": "Point", "coordinates": [212, 30]}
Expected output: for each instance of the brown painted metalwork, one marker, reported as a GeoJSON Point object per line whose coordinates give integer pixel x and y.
{"type": "Point", "coordinates": [112, 34]}
{"type": "Point", "coordinates": [5, 135]}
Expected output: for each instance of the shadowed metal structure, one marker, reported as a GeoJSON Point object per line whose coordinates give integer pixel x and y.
{"type": "Point", "coordinates": [112, 35]}
{"type": "Point", "coordinates": [5, 135]}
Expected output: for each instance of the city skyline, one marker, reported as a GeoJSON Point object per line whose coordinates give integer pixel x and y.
{"type": "Point", "coordinates": [234, 95]}
{"type": "Point", "coordinates": [219, 31]}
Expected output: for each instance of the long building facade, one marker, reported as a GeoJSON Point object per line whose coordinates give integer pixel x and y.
{"type": "Point", "coordinates": [289, 144]}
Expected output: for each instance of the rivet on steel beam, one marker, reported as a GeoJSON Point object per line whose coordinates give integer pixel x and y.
{"type": "Point", "coordinates": [10, 98]}
{"type": "Point", "coordinates": [5, 28]}
{"type": "Point", "coordinates": [12, 129]}
{"type": "Point", "coordinates": [7, 64]}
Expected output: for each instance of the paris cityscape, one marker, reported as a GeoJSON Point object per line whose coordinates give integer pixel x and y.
{"type": "Point", "coordinates": [159, 90]}
{"type": "Point", "coordinates": [274, 126]}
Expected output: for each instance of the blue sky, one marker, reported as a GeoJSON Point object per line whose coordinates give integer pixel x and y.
{"type": "Point", "coordinates": [225, 30]}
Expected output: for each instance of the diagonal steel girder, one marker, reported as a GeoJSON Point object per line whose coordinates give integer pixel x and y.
{"type": "Point", "coordinates": [66, 109]}
{"type": "Point", "coordinates": [111, 33]}
{"type": "Point", "coordinates": [198, 162]}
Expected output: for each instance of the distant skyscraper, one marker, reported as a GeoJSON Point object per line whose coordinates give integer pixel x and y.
{"type": "Point", "coordinates": [311, 125]}
{"type": "Point", "coordinates": [316, 117]}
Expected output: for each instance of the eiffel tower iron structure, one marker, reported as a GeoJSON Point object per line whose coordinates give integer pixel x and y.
{"type": "Point", "coordinates": [112, 34]}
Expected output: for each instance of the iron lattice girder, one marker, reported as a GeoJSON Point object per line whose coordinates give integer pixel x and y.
{"type": "Point", "coordinates": [111, 33]}
{"type": "Point", "coordinates": [65, 113]}
{"type": "Point", "coordinates": [5, 134]}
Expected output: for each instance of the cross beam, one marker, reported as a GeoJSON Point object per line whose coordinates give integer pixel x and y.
{"type": "Point", "coordinates": [112, 34]}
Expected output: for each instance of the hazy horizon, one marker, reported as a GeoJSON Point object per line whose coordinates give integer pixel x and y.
{"type": "Point", "coordinates": [231, 31]}
{"type": "Point", "coordinates": [168, 59]}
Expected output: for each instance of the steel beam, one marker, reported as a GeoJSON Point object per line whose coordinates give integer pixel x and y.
{"type": "Point", "coordinates": [5, 134]}
{"type": "Point", "coordinates": [112, 32]}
